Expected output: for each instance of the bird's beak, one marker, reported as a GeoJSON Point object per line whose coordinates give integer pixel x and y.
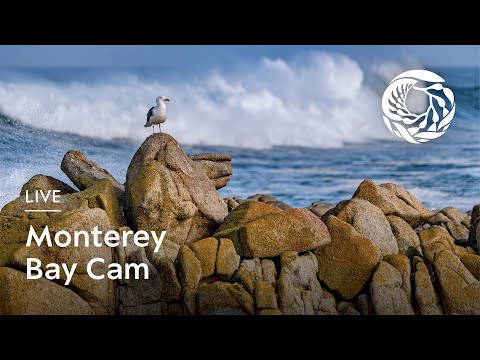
{"type": "Point", "coordinates": [167, 99]}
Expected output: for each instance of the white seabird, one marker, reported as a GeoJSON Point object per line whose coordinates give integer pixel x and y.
{"type": "Point", "coordinates": [157, 114]}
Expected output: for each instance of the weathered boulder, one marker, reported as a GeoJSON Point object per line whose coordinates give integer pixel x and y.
{"type": "Point", "coordinates": [46, 183]}
{"type": "Point", "coordinates": [222, 298]}
{"type": "Point", "coordinates": [435, 240]}
{"type": "Point", "coordinates": [269, 271]}
{"type": "Point", "coordinates": [403, 266]}
{"type": "Point", "coordinates": [388, 297]}
{"type": "Point", "coordinates": [405, 235]}
{"type": "Point", "coordinates": [140, 296]}
{"type": "Point", "coordinates": [100, 194]}
{"type": "Point", "coordinates": [425, 294]}
{"type": "Point", "coordinates": [393, 199]}
{"type": "Point", "coordinates": [299, 291]}
{"type": "Point", "coordinates": [231, 203]}
{"type": "Point", "coordinates": [345, 265]}
{"type": "Point", "coordinates": [22, 296]}
{"type": "Point", "coordinates": [84, 172]}
{"type": "Point", "coordinates": [269, 200]}
{"type": "Point", "coordinates": [319, 208]}
{"type": "Point", "coordinates": [13, 230]}
{"type": "Point", "coordinates": [190, 268]}
{"type": "Point", "coordinates": [100, 294]}
{"type": "Point", "coordinates": [370, 222]}
{"type": "Point", "coordinates": [460, 289]}
{"type": "Point", "coordinates": [456, 222]}
{"type": "Point", "coordinates": [166, 191]}
{"type": "Point", "coordinates": [216, 166]}
{"type": "Point", "coordinates": [274, 233]}
{"type": "Point", "coordinates": [472, 263]}
{"type": "Point", "coordinates": [248, 273]}
{"type": "Point", "coordinates": [227, 259]}
{"type": "Point", "coordinates": [265, 296]}
{"type": "Point", "coordinates": [206, 251]}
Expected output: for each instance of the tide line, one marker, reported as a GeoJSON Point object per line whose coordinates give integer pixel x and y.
{"type": "Point", "coordinates": [51, 210]}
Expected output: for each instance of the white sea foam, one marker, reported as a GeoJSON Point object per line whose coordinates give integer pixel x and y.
{"type": "Point", "coordinates": [317, 100]}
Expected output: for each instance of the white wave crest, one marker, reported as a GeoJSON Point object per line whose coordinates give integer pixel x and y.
{"type": "Point", "coordinates": [317, 100]}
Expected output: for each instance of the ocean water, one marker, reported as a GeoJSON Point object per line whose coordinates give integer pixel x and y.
{"type": "Point", "coordinates": [301, 132]}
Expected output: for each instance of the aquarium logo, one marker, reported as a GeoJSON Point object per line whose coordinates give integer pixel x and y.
{"type": "Point", "coordinates": [428, 125]}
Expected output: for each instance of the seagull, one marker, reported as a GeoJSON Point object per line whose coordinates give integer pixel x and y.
{"type": "Point", "coordinates": [157, 114]}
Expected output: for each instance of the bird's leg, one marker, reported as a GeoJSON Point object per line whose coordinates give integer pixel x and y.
{"type": "Point", "coordinates": [159, 128]}
{"type": "Point", "coordinates": [153, 128]}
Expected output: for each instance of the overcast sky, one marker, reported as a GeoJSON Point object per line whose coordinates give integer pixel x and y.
{"type": "Point", "coordinates": [189, 58]}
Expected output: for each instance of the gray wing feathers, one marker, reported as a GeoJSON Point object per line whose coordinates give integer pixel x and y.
{"type": "Point", "coordinates": [150, 113]}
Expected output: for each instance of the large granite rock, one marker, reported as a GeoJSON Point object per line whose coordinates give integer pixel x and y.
{"type": "Point", "coordinates": [22, 296]}
{"type": "Point", "coordinates": [206, 251]}
{"type": "Point", "coordinates": [269, 200]}
{"type": "Point", "coordinates": [403, 266]}
{"type": "Point", "coordinates": [388, 296]}
{"type": "Point", "coordinates": [227, 261]}
{"type": "Point", "coordinates": [345, 265]}
{"type": "Point", "coordinates": [370, 222]}
{"type": "Point", "coordinates": [393, 199]}
{"type": "Point", "coordinates": [83, 172]}
{"type": "Point", "coordinates": [299, 291]}
{"type": "Point", "coordinates": [405, 235]}
{"type": "Point", "coordinates": [472, 263]}
{"type": "Point", "coordinates": [319, 208]}
{"type": "Point", "coordinates": [275, 232]}
{"type": "Point", "coordinates": [216, 166]}
{"type": "Point", "coordinates": [460, 289]}
{"type": "Point", "coordinates": [45, 183]}
{"type": "Point", "coordinates": [99, 294]}
{"type": "Point", "coordinates": [425, 293]}
{"type": "Point", "coordinates": [165, 190]}
{"type": "Point", "coordinates": [435, 240]}
{"type": "Point", "coordinates": [159, 294]}
{"type": "Point", "coordinates": [100, 194]}
{"type": "Point", "coordinates": [222, 298]}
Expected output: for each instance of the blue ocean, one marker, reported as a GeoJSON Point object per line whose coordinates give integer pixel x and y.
{"type": "Point", "coordinates": [307, 133]}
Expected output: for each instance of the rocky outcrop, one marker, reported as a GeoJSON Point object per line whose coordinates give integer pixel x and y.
{"type": "Point", "coordinates": [381, 252]}
{"type": "Point", "coordinates": [166, 191]}
{"type": "Point", "coordinates": [405, 235]}
{"type": "Point", "coordinates": [319, 208]}
{"type": "Point", "coordinates": [299, 291]}
{"type": "Point", "coordinates": [425, 293]}
{"type": "Point", "coordinates": [100, 294]}
{"type": "Point", "coordinates": [388, 295]}
{"type": "Point", "coordinates": [345, 265]}
{"type": "Point", "coordinates": [370, 222]}
{"type": "Point", "coordinates": [46, 183]}
{"type": "Point", "coordinates": [22, 296]}
{"type": "Point", "coordinates": [460, 289]}
{"type": "Point", "coordinates": [437, 239]}
{"type": "Point", "coordinates": [456, 222]}
{"type": "Point", "coordinates": [267, 199]}
{"type": "Point", "coordinates": [216, 166]}
{"type": "Point", "coordinates": [393, 199]}
{"type": "Point", "coordinates": [100, 194]}
{"type": "Point", "coordinates": [84, 172]}
{"type": "Point", "coordinates": [273, 233]}
{"type": "Point", "coordinates": [472, 263]}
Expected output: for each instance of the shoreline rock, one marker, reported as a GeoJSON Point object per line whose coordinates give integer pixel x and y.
{"type": "Point", "coordinates": [380, 252]}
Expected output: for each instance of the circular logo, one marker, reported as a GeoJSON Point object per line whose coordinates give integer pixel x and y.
{"type": "Point", "coordinates": [428, 125]}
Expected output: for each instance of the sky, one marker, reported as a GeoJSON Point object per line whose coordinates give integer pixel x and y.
{"type": "Point", "coordinates": [196, 58]}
